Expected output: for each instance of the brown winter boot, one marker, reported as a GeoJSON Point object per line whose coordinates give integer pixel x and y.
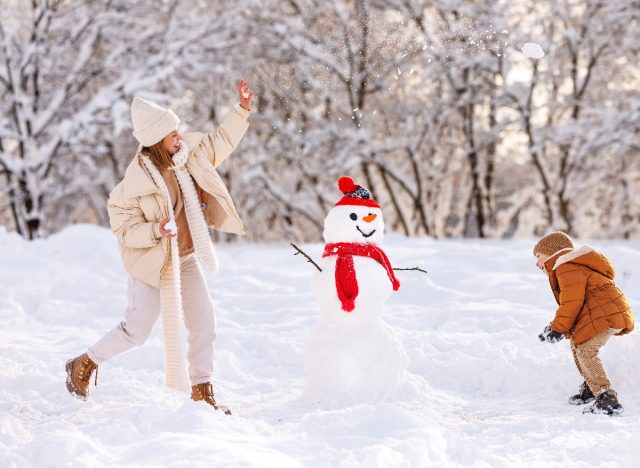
{"type": "Point", "coordinates": [79, 372]}
{"type": "Point", "coordinates": [204, 392]}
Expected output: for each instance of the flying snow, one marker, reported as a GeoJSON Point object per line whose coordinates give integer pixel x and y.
{"type": "Point", "coordinates": [532, 50]}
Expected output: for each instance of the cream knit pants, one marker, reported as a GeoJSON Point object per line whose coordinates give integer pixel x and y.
{"type": "Point", "coordinates": [143, 312]}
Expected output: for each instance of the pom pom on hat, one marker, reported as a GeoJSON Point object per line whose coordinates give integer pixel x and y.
{"type": "Point", "coordinates": [346, 185]}
{"type": "Point", "coordinates": [354, 194]}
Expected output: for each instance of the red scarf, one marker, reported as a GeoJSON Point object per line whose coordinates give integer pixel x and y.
{"type": "Point", "coordinates": [346, 282]}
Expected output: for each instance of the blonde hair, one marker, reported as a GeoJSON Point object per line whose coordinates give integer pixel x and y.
{"type": "Point", "coordinates": [158, 155]}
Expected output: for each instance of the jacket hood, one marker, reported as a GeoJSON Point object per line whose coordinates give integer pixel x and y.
{"type": "Point", "coordinates": [588, 257]}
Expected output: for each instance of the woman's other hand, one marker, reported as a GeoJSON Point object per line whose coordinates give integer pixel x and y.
{"type": "Point", "coordinates": [167, 231]}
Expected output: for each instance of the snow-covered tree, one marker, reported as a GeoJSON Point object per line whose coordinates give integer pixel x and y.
{"type": "Point", "coordinates": [65, 67]}
{"type": "Point", "coordinates": [431, 104]}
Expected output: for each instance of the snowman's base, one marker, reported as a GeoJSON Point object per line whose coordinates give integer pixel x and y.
{"type": "Point", "coordinates": [364, 362]}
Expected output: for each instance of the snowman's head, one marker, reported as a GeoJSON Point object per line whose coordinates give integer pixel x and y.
{"type": "Point", "coordinates": [355, 218]}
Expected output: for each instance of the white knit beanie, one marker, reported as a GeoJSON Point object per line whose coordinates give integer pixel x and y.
{"type": "Point", "coordinates": [151, 123]}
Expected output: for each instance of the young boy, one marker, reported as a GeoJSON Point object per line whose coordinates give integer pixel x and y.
{"type": "Point", "coordinates": [591, 310]}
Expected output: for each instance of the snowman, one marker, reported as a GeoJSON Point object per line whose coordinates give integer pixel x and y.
{"type": "Point", "coordinates": [353, 354]}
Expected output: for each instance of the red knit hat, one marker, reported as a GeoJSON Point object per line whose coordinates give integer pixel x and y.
{"type": "Point", "coordinates": [354, 194]}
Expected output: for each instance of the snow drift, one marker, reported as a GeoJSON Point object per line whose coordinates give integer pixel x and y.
{"type": "Point", "coordinates": [481, 389]}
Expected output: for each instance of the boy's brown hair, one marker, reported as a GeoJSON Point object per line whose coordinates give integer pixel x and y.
{"type": "Point", "coordinates": [553, 242]}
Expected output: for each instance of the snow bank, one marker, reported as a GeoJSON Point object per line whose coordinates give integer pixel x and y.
{"type": "Point", "coordinates": [481, 389]}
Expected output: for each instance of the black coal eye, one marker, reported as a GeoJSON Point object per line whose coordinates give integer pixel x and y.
{"type": "Point", "coordinates": [353, 216]}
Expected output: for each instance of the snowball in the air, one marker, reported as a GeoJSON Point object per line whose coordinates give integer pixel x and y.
{"type": "Point", "coordinates": [532, 50]}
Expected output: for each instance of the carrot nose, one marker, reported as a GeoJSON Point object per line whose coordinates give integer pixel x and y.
{"type": "Point", "coordinates": [370, 218]}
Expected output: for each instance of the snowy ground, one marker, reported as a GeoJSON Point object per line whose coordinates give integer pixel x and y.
{"type": "Point", "coordinates": [483, 391]}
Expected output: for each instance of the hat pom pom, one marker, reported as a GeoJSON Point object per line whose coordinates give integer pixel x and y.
{"type": "Point", "coordinates": [346, 184]}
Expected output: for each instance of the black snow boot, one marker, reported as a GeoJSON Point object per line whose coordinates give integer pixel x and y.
{"type": "Point", "coordinates": [584, 395]}
{"type": "Point", "coordinates": [606, 403]}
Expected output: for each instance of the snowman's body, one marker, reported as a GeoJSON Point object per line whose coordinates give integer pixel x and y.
{"type": "Point", "coordinates": [373, 284]}
{"type": "Point", "coordinates": [353, 354]}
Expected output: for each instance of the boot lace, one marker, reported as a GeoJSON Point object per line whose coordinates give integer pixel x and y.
{"type": "Point", "coordinates": [205, 392]}
{"type": "Point", "coordinates": [88, 366]}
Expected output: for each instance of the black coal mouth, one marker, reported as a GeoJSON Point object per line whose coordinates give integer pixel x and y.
{"type": "Point", "coordinates": [365, 235]}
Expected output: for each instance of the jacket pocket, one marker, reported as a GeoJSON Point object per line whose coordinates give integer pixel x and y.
{"type": "Point", "coordinates": [151, 206]}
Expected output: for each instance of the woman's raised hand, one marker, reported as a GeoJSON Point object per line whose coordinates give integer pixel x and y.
{"type": "Point", "coordinates": [245, 94]}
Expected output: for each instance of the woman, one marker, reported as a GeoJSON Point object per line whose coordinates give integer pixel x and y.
{"type": "Point", "coordinates": [160, 212]}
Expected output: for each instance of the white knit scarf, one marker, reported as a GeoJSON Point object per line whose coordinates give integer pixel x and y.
{"type": "Point", "coordinates": [170, 290]}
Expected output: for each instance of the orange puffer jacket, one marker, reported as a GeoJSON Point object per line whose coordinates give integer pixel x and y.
{"type": "Point", "coordinates": [589, 301]}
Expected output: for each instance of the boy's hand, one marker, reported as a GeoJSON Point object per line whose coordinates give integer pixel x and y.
{"type": "Point", "coordinates": [549, 335]}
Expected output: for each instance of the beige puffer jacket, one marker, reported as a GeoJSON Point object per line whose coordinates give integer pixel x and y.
{"type": "Point", "coordinates": [136, 205]}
